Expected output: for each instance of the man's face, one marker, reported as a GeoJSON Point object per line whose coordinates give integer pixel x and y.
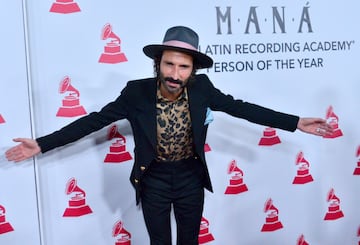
{"type": "Point", "coordinates": [175, 71]}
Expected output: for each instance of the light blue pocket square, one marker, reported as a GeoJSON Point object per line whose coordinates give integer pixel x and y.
{"type": "Point", "coordinates": [209, 117]}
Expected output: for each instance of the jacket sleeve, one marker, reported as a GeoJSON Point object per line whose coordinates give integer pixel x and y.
{"type": "Point", "coordinates": [248, 111]}
{"type": "Point", "coordinates": [85, 125]}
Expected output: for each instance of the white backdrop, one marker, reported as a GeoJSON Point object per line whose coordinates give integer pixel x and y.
{"type": "Point", "coordinates": [298, 57]}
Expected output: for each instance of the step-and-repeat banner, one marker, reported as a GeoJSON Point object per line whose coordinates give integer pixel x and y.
{"type": "Point", "coordinates": [62, 59]}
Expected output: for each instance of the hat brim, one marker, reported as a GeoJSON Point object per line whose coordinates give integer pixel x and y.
{"type": "Point", "coordinates": [200, 60]}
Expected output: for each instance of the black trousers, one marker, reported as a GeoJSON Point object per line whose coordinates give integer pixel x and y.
{"type": "Point", "coordinates": [179, 185]}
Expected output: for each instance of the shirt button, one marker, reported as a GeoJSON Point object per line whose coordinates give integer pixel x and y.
{"type": "Point", "coordinates": [136, 181]}
{"type": "Point", "coordinates": [142, 168]}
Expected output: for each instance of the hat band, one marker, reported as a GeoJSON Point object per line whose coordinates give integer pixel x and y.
{"type": "Point", "coordinates": [179, 44]}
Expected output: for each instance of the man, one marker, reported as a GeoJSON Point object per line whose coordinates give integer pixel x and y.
{"type": "Point", "coordinates": [167, 115]}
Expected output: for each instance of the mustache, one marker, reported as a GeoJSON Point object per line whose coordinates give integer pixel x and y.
{"type": "Point", "coordinates": [177, 81]}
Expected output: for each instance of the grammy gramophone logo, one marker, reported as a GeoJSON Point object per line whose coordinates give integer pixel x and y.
{"type": "Point", "coordinates": [301, 240]}
{"type": "Point", "coordinates": [123, 237]}
{"type": "Point", "coordinates": [112, 50]}
{"type": "Point", "coordinates": [236, 183]}
{"type": "Point", "coordinates": [333, 120]}
{"type": "Point", "coordinates": [64, 7]}
{"type": "Point", "coordinates": [77, 202]}
{"type": "Point", "coordinates": [303, 175]}
{"type": "Point", "coordinates": [334, 212]}
{"type": "Point", "coordinates": [71, 102]}
{"type": "Point", "coordinates": [269, 137]}
{"type": "Point", "coordinates": [118, 151]}
{"type": "Point", "coordinates": [272, 222]}
{"type": "Point", "coordinates": [204, 234]}
{"type": "Point", "coordinates": [2, 120]}
{"type": "Point", "coordinates": [357, 168]}
{"type": "Point", "coordinates": [4, 225]}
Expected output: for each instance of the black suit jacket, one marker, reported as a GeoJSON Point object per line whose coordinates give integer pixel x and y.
{"type": "Point", "coordinates": [137, 104]}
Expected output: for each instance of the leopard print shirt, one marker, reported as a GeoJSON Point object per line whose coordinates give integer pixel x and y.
{"type": "Point", "coordinates": [174, 134]}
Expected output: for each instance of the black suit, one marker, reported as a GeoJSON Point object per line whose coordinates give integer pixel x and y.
{"type": "Point", "coordinates": [181, 183]}
{"type": "Point", "coordinates": [137, 104]}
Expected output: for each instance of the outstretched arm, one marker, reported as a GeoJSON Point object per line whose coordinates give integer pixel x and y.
{"type": "Point", "coordinates": [316, 126]}
{"type": "Point", "coordinates": [26, 149]}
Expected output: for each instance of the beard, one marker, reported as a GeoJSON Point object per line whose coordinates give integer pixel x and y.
{"type": "Point", "coordinates": [170, 84]}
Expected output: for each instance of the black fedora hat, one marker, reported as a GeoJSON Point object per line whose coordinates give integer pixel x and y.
{"type": "Point", "coordinates": [182, 39]}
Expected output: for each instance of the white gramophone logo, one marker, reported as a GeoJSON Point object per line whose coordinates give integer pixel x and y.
{"type": "Point", "coordinates": [4, 225]}
{"type": "Point", "coordinates": [357, 169]}
{"type": "Point", "coordinates": [118, 151]}
{"type": "Point", "coordinates": [269, 137]}
{"type": "Point", "coordinates": [334, 212]}
{"type": "Point", "coordinates": [71, 102]}
{"type": "Point", "coordinates": [303, 176]}
{"type": "Point", "coordinates": [77, 203]}
{"type": "Point", "coordinates": [2, 120]}
{"type": "Point", "coordinates": [204, 234]}
{"type": "Point", "coordinates": [301, 240]}
{"type": "Point", "coordinates": [64, 7]}
{"type": "Point", "coordinates": [112, 50]}
{"type": "Point", "coordinates": [236, 184]}
{"type": "Point", "coordinates": [333, 120]}
{"type": "Point", "coordinates": [123, 237]}
{"type": "Point", "coordinates": [272, 222]}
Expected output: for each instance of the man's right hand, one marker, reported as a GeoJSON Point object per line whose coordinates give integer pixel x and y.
{"type": "Point", "coordinates": [26, 149]}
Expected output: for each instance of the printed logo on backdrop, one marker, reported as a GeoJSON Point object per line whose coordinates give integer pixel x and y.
{"type": "Point", "coordinates": [123, 237]}
{"type": "Point", "coordinates": [77, 203]}
{"type": "Point", "coordinates": [358, 234]}
{"type": "Point", "coordinates": [269, 137]}
{"type": "Point", "coordinates": [112, 50]}
{"type": "Point", "coordinates": [333, 120]}
{"type": "Point", "coordinates": [204, 234]}
{"type": "Point", "coordinates": [236, 184]}
{"type": "Point", "coordinates": [272, 222]}
{"type": "Point", "coordinates": [2, 120]}
{"type": "Point", "coordinates": [64, 7]}
{"type": "Point", "coordinates": [5, 226]}
{"type": "Point", "coordinates": [71, 102]}
{"type": "Point", "coordinates": [334, 212]}
{"type": "Point", "coordinates": [301, 240]}
{"type": "Point", "coordinates": [303, 176]}
{"type": "Point", "coordinates": [274, 20]}
{"type": "Point", "coordinates": [118, 151]}
{"type": "Point", "coordinates": [357, 168]}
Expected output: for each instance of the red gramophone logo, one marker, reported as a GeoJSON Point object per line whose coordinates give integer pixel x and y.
{"type": "Point", "coordinates": [269, 137]}
{"type": "Point", "coordinates": [301, 240]}
{"type": "Point", "coordinates": [272, 222]}
{"type": "Point", "coordinates": [71, 102]}
{"type": "Point", "coordinates": [358, 234]}
{"type": "Point", "coordinates": [333, 120]}
{"type": "Point", "coordinates": [204, 235]}
{"type": "Point", "coordinates": [236, 184]}
{"type": "Point", "coordinates": [64, 7]}
{"type": "Point", "coordinates": [118, 151]}
{"type": "Point", "coordinates": [123, 237]}
{"type": "Point", "coordinates": [334, 212]}
{"type": "Point", "coordinates": [357, 169]}
{"type": "Point", "coordinates": [4, 225]}
{"type": "Point", "coordinates": [77, 203]}
{"type": "Point", "coordinates": [112, 50]}
{"type": "Point", "coordinates": [2, 120]}
{"type": "Point", "coordinates": [303, 176]}
{"type": "Point", "coordinates": [207, 147]}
